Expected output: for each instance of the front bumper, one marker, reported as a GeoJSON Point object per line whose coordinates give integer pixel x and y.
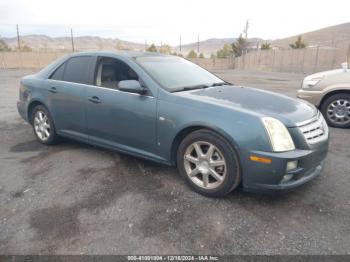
{"type": "Point", "coordinates": [314, 97]}
{"type": "Point", "coordinates": [261, 177]}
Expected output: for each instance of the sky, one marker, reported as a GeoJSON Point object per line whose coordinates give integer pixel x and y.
{"type": "Point", "coordinates": [163, 21]}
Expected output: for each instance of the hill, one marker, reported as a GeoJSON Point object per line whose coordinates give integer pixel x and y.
{"type": "Point", "coordinates": [338, 35]}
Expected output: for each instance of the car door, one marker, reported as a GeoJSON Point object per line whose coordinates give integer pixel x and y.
{"type": "Point", "coordinates": [67, 87]}
{"type": "Point", "coordinates": [121, 120]}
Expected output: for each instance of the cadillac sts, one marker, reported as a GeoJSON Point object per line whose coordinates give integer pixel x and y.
{"type": "Point", "coordinates": [167, 109]}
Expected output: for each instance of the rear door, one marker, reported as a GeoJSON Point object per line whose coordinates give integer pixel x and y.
{"type": "Point", "coordinates": [67, 88]}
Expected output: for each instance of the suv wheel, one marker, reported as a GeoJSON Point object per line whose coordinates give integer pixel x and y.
{"type": "Point", "coordinates": [43, 126]}
{"type": "Point", "coordinates": [208, 163]}
{"type": "Point", "coordinates": [336, 110]}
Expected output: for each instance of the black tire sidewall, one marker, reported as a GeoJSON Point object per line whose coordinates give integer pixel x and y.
{"type": "Point", "coordinates": [53, 137]}
{"type": "Point", "coordinates": [233, 176]}
{"type": "Point", "coordinates": [327, 102]}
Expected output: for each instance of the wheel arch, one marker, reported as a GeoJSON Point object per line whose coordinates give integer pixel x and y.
{"type": "Point", "coordinates": [185, 131]}
{"type": "Point", "coordinates": [334, 92]}
{"type": "Point", "coordinates": [31, 107]}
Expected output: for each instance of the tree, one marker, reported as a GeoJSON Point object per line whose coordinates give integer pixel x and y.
{"type": "Point", "coordinates": [4, 46]}
{"type": "Point", "coordinates": [119, 46]}
{"type": "Point", "coordinates": [201, 55]}
{"type": "Point", "coordinates": [240, 46]}
{"type": "Point", "coordinates": [165, 49]}
{"type": "Point", "coordinates": [299, 44]}
{"type": "Point", "coordinates": [152, 48]}
{"type": "Point", "coordinates": [26, 48]}
{"type": "Point", "coordinates": [225, 52]}
{"type": "Point", "coordinates": [192, 54]}
{"type": "Point", "coordinates": [265, 46]}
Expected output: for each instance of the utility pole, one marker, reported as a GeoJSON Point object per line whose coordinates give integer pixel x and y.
{"type": "Point", "coordinates": [71, 37]}
{"type": "Point", "coordinates": [180, 43]}
{"type": "Point", "coordinates": [18, 41]}
{"type": "Point", "coordinates": [198, 44]}
{"type": "Point", "coordinates": [245, 31]}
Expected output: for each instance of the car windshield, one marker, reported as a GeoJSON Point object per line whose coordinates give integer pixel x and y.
{"type": "Point", "coordinates": [177, 74]}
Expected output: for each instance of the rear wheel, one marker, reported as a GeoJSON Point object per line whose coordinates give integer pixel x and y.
{"type": "Point", "coordinates": [208, 163]}
{"type": "Point", "coordinates": [43, 126]}
{"type": "Point", "coordinates": [336, 110]}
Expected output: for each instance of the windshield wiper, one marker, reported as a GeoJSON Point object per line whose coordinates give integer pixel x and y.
{"type": "Point", "coordinates": [218, 84]}
{"type": "Point", "coordinates": [187, 88]}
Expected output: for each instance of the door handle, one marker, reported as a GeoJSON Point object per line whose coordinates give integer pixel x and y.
{"type": "Point", "coordinates": [95, 100]}
{"type": "Point", "coordinates": [53, 90]}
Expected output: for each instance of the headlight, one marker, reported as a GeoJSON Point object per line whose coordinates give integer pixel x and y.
{"type": "Point", "coordinates": [310, 82]}
{"type": "Point", "coordinates": [279, 135]}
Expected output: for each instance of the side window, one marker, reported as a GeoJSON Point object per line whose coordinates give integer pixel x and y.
{"type": "Point", "coordinates": [110, 72]}
{"type": "Point", "coordinates": [77, 69]}
{"type": "Point", "coordinates": [58, 74]}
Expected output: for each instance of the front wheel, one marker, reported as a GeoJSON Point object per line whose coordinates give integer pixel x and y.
{"type": "Point", "coordinates": [208, 163]}
{"type": "Point", "coordinates": [336, 110]}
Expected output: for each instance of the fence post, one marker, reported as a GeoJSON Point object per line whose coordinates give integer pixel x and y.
{"type": "Point", "coordinates": [316, 59]}
{"type": "Point", "coordinates": [273, 59]}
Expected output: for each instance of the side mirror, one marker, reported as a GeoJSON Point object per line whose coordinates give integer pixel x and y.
{"type": "Point", "coordinates": [345, 66]}
{"type": "Point", "coordinates": [131, 86]}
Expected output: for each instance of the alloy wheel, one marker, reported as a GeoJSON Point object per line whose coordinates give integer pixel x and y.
{"type": "Point", "coordinates": [205, 165]}
{"type": "Point", "coordinates": [42, 125]}
{"type": "Point", "coordinates": [338, 112]}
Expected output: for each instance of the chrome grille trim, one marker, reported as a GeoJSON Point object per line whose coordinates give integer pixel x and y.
{"type": "Point", "coordinates": [314, 130]}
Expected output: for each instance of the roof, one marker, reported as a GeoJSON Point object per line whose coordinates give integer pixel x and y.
{"type": "Point", "coordinates": [120, 53]}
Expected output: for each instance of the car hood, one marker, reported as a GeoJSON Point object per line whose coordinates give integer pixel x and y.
{"type": "Point", "coordinates": [288, 110]}
{"type": "Point", "coordinates": [325, 73]}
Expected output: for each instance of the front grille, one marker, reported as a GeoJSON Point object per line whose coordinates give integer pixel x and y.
{"type": "Point", "coordinates": [315, 130]}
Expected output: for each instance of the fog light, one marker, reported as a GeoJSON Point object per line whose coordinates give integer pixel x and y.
{"type": "Point", "coordinates": [286, 178]}
{"type": "Point", "coordinates": [291, 165]}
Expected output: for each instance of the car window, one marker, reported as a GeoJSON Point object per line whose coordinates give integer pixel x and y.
{"type": "Point", "coordinates": [111, 71]}
{"type": "Point", "coordinates": [174, 73]}
{"type": "Point", "coordinates": [58, 74]}
{"type": "Point", "coordinates": [76, 70]}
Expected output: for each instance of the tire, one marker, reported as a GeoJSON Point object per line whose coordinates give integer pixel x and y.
{"type": "Point", "coordinates": [336, 110]}
{"type": "Point", "coordinates": [41, 120]}
{"type": "Point", "coordinates": [215, 153]}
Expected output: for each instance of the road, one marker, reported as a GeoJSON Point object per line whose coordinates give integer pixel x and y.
{"type": "Point", "coordinates": [77, 199]}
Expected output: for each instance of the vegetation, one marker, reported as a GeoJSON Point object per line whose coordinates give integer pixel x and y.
{"type": "Point", "coordinates": [201, 55]}
{"type": "Point", "coordinates": [3, 46]}
{"type": "Point", "coordinates": [120, 46]}
{"type": "Point", "coordinates": [299, 44]}
{"type": "Point", "coordinates": [225, 52]}
{"type": "Point", "coordinates": [265, 46]}
{"type": "Point", "coordinates": [26, 48]}
{"type": "Point", "coordinates": [240, 46]}
{"type": "Point", "coordinates": [165, 49]}
{"type": "Point", "coordinates": [152, 48]}
{"type": "Point", "coordinates": [212, 56]}
{"type": "Point", "coordinates": [192, 54]}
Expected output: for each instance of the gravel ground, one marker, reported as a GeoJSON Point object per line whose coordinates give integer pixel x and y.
{"type": "Point", "coordinates": [77, 199]}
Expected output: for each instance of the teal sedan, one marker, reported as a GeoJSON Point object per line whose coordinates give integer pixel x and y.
{"type": "Point", "coordinates": [167, 109]}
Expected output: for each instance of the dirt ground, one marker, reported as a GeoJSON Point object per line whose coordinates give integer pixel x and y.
{"type": "Point", "coordinates": [77, 199]}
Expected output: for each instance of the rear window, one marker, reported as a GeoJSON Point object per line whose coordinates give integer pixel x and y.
{"type": "Point", "coordinates": [58, 74]}
{"type": "Point", "coordinates": [76, 70]}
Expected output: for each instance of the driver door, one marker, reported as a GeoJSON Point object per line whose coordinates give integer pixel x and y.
{"type": "Point", "coordinates": [116, 119]}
